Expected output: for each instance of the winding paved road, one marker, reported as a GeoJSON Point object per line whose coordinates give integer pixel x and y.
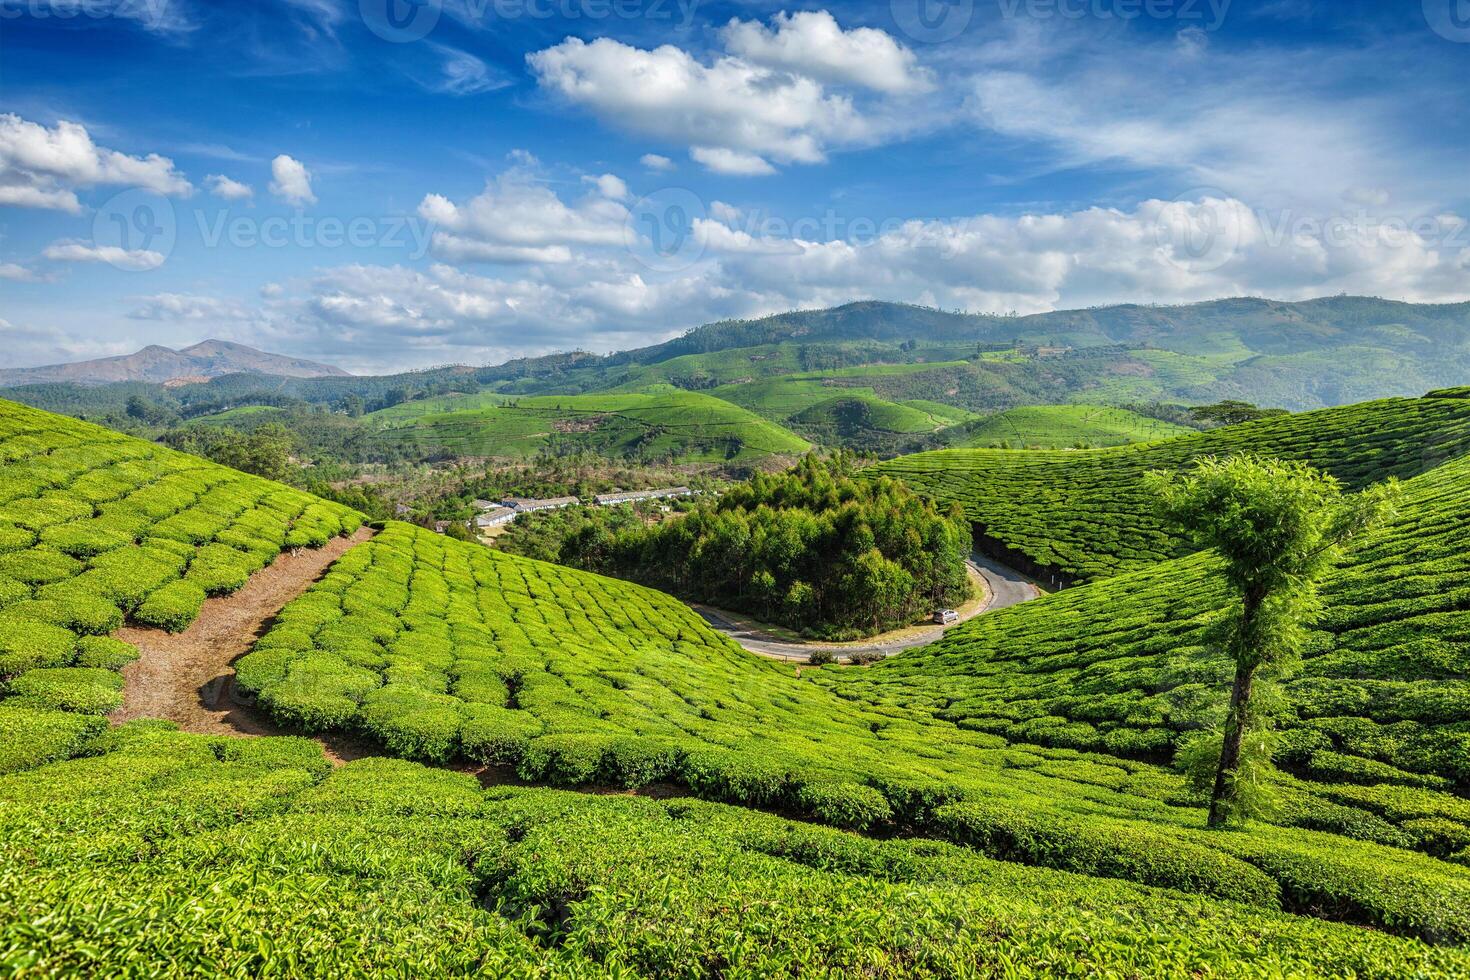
{"type": "Point", "coordinates": [1007, 588]}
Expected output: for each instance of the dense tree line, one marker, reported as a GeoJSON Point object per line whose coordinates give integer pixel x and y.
{"type": "Point", "coordinates": [813, 548]}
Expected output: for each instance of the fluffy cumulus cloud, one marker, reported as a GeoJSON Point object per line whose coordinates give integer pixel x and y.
{"type": "Point", "coordinates": [740, 114]}
{"type": "Point", "coordinates": [656, 163]}
{"type": "Point", "coordinates": [291, 181]}
{"type": "Point", "coordinates": [518, 219]}
{"type": "Point", "coordinates": [43, 167]}
{"type": "Point", "coordinates": [1173, 251]}
{"type": "Point", "coordinates": [228, 189]}
{"type": "Point", "coordinates": [811, 43]}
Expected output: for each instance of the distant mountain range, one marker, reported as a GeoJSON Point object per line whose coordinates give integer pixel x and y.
{"type": "Point", "coordinates": [158, 365]}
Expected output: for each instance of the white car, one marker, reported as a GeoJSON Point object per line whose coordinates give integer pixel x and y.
{"type": "Point", "coordinates": [946, 616]}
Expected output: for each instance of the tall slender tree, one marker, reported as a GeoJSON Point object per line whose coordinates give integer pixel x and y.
{"type": "Point", "coordinates": [1278, 527]}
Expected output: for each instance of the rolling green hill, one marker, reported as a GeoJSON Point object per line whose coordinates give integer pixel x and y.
{"type": "Point", "coordinates": [1019, 766]}
{"type": "Point", "coordinates": [1378, 716]}
{"type": "Point", "coordinates": [1084, 514]}
{"type": "Point", "coordinates": [1300, 355]}
{"type": "Point", "coordinates": [665, 423]}
{"type": "Point", "coordinates": [1061, 426]}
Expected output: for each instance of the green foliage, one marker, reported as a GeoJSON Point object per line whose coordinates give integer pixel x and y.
{"type": "Point", "coordinates": [1277, 527]}
{"type": "Point", "coordinates": [814, 549]}
{"type": "Point", "coordinates": [1062, 427]}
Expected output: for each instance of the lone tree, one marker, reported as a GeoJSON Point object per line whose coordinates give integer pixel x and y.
{"type": "Point", "coordinates": [1278, 526]}
{"type": "Point", "coordinates": [1232, 412]}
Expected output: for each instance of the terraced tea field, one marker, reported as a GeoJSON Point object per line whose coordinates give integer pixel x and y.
{"type": "Point", "coordinates": [96, 528]}
{"type": "Point", "coordinates": [1064, 426]}
{"type": "Point", "coordinates": [681, 426]}
{"type": "Point", "coordinates": [1084, 514]}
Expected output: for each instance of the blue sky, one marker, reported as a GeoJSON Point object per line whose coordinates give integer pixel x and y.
{"type": "Point", "coordinates": [387, 186]}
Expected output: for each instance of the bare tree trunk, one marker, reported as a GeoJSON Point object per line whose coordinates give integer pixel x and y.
{"type": "Point", "coordinates": [1237, 722]}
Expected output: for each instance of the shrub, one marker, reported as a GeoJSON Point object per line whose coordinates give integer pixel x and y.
{"type": "Point", "coordinates": [31, 737]}
{"type": "Point", "coordinates": [412, 723]}
{"type": "Point", "coordinates": [88, 690]}
{"type": "Point", "coordinates": [497, 736]}
{"type": "Point", "coordinates": [171, 607]}
{"type": "Point", "coordinates": [26, 644]}
{"type": "Point", "coordinates": [1132, 851]}
{"type": "Point", "coordinates": [105, 652]}
{"type": "Point", "coordinates": [845, 804]}
{"type": "Point", "coordinates": [38, 566]}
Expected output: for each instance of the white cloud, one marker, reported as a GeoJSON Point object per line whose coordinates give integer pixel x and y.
{"type": "Point", "coordinates": [464, 74]}
{"type": "Point", "coordinates": [733, 163]}
{"type": "Point", "coordinates": [516, 219]}
{"type": "Point", "coordinates": [610, 186]}
{"type": "Point", "coordinates": [43, 167]}
{"type": "Point", "coordinates": [182, 307]}
{"type": "Point", "coordinates": [727, 213]}
{"type": "Point", "coordinates": [131, 260]}
{"type": "Point", "coordinates": [811, 43]}
{"type": "Point", "coordinates": [291, 181]}
{"type": "Point", "coordinates": [738, 115]}
{"type": "Point", "coordinates": [228, 189]}
{"type": "Point", "coordinates": [18, 273]}
{"type": "Point", "coordinates": [656, 163]}
{"type": "Point", "coordinates": [26, 345]}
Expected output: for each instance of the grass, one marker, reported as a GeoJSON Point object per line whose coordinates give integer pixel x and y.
{"type": "Point", "coordinates": [1082, 515]}
{"type": "Point", "coordinates": [664, 423]}
{"type": "Point", "coordinates": [1065, 426]}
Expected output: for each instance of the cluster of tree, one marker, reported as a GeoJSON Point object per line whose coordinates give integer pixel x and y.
{"type": "Point", "coordinates": [814, 549]}
{"type": "Point", "coordinates": [265, 451]}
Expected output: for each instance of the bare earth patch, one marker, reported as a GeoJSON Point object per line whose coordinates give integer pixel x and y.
{"type": "Point", "coordinates": [189, 678]}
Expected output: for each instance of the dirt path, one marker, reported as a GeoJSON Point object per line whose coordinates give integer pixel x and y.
{"type": "Point", "coordinates": [189, 677]}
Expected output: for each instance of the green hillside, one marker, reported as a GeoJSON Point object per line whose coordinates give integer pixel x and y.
{"type": "Point", "coordinates": [645, 697]}
{"type": "Point", "coordinates": [1014, 777]}
{"type": "Point", "coordinates": [1379, 713]}
{"type": "Point", "coordinates": [1085, 514]}
{"type": "Point", "coordinates": [1063, 426]}
{"type": "Point", "coordinates": [96, 528]}
{"type": "Point", "coordinates": [666, 423]}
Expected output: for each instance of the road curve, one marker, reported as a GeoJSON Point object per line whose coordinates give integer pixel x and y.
{"type": "Point", "coordinates": [1007, 588]}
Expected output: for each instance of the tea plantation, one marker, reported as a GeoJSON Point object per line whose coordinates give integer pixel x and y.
{"type": "Point", "coordinates": [95, 528]}
{"type": "Point", "coordinates": [999, 804]}
{"type": "Point", "coordinates": [160, 852]}
{"type": "Point", "coordinates": [1083, 514]}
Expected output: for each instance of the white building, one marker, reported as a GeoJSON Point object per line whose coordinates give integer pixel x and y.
{"type": "Point", "coordinates": [495, 518]}
{"type": "Point", "coordinates": [629, 496]}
